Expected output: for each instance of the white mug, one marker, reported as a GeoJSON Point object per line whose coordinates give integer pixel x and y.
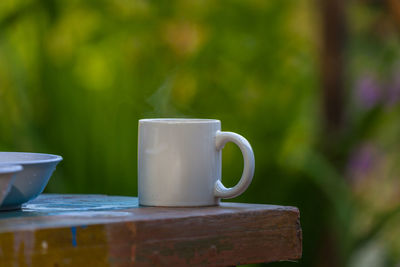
{"type": "Point", "coordinates": [179, 162]}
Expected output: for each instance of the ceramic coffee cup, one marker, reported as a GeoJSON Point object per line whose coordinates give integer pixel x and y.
{"type": "Point", "coordinates": [179, 162]}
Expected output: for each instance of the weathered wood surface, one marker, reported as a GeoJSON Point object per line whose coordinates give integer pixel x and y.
{"type": "Point", "coordinates": [77, 230]}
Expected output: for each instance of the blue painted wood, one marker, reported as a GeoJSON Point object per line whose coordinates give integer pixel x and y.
{"type": "Point", "coordinates": [55, 204]}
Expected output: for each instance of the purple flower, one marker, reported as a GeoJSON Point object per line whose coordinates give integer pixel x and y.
{"type": "Point", "coordinates": [368, 91]}
{"type": "Point", "coordinates": [361, 162]}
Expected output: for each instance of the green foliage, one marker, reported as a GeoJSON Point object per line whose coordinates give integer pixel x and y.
{"type": "Point", "coordinates": [76, 77]}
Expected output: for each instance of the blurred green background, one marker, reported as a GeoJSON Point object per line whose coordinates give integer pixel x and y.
{"type": "Point", "coordinates": [313, 85]}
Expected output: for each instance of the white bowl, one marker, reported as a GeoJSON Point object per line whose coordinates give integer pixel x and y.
{"type": "Point", "coordinates": [7, 175]}
{"type": "Point", "coordinates": [31, 181]}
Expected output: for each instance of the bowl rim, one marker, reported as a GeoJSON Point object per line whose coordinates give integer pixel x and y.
{"type": "Point", "coordinates": [10, 168]}
{"type": "Point", "coordinates": [52, 158]}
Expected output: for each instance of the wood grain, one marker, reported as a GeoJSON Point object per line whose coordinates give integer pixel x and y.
{"type": "Point", "coordinates": [116, 232]}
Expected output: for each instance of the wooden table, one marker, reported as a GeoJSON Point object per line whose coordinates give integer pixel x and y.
{"type": "Point", "coordinates": [99, 230]}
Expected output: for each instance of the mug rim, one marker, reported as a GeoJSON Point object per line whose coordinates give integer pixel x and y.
{"type": "Point", "coordinates": [178, 120]}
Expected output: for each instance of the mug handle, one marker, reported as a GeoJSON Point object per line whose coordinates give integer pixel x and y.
{"type": "Point", "coordinates": [248, 169]}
